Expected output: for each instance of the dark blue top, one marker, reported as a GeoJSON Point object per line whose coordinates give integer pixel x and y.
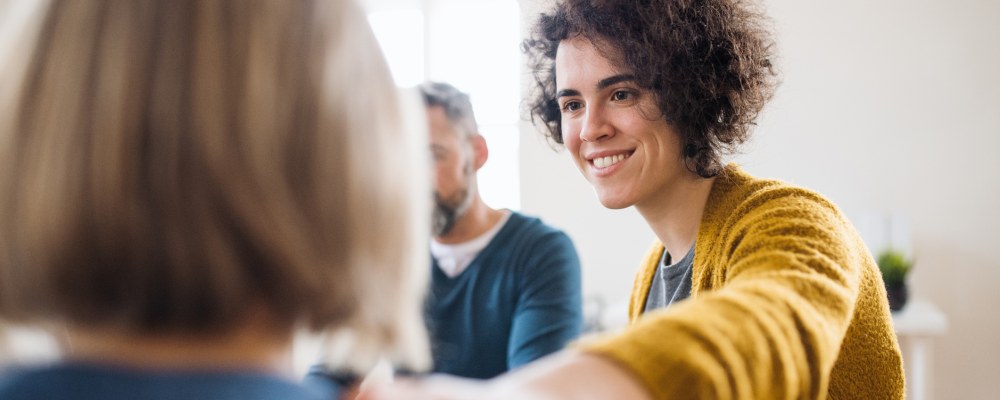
{"type": "Point", "coordinates": [517, 301]}
{"type": "Point", "coordinates": [91, 382]}
{"type": "Point", "coordinates": [671, 283]}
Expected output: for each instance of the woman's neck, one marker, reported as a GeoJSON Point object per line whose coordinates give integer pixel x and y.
{"type": "Point", "coordinates": [674, 215]}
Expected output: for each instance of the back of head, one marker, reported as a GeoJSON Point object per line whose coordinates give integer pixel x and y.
{"type": "Point", "coordinates": [175, 166]}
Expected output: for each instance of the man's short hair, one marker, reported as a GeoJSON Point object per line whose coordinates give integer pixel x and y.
{"type": "Point", "coordinates": [456, 104]}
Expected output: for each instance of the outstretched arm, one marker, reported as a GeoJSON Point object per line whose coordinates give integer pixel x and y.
{"type": "Point", "coordinates": [566, 375]}
{"type": "Point", "coordinates": [786, 281]}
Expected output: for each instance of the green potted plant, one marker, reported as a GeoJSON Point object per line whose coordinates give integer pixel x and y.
{"type": "Point", "coordinates": [895, 266]}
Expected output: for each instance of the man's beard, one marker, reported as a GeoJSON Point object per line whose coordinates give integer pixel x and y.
{"type": "Point", "coordinates": [449, 210]}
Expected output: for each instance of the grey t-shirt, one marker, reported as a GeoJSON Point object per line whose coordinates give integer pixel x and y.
{"type": "Point", "coordinates": [671, 282]}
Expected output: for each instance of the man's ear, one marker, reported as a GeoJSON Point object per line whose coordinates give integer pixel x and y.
{"type": "Point", "coordinates": [480, 152]}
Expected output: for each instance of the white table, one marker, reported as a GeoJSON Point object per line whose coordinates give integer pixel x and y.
{"type": "Point", "coordinates": [916, 325]}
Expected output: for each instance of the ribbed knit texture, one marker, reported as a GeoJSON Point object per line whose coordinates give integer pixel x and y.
{"type": "Point", "coordinates": [787, 303]}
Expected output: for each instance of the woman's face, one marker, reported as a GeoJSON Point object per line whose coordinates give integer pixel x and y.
{"type": "Point", "coordinates": [613, 129]}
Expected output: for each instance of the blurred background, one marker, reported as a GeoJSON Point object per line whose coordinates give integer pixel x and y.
{"type": "Point", "coordinates": [889, 108]}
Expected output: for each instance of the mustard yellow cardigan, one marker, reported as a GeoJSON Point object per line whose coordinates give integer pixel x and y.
{"type": "Point", "coordinates": [786, 303]}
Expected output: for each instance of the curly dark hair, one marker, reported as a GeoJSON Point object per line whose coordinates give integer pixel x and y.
{"type": "Point", "coordinates": [708, 62]}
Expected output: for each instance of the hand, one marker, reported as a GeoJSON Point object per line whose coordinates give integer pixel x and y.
{"type": "Point", "coordinates": [436, 387]}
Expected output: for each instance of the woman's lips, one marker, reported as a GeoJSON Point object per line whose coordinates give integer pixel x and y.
{"type": "Point", "coordinates": [606, 163]}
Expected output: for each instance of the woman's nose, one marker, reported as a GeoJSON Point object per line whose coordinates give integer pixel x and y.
{"type": "Point", "coordinates": [596, 126]}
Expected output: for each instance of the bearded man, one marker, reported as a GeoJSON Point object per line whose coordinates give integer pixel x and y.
{"type": "Point", "coordinates": [505, 287]}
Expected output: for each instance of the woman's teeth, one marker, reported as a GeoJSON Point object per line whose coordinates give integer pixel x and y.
{"type": "Point", "coordinates": [604, 162]}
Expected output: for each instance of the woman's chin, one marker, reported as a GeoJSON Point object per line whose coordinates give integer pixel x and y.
{"type": "Point", "coordinates": [614, 201]}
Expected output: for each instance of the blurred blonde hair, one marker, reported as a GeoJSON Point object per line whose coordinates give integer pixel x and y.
{"type": "Point", "coordinates": [171, 166]}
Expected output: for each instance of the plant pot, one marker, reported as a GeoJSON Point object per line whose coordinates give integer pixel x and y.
{"type": "Point", "coordinates": [898, 295]}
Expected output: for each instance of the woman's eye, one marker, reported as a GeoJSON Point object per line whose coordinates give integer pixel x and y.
{"type": "Point", "coordinates": [570, 106]}
{"type": "Point", "coordinates": [621, 95]}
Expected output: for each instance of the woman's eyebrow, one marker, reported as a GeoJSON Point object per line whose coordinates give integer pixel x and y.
{"type": "Point", "coordinates": [602, 84]}
{"type": "Point", "coordinates": [611, 80]}
{"type": "Point", "coordinates": [567, 92]}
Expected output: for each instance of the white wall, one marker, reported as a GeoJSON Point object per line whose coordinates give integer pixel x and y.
{"type": "Point", "coordinates": [885, 106]}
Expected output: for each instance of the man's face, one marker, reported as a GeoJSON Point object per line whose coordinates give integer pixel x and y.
{"type": "Point", "coordinates": [613, 128]}
{"type": "Point", "coordinates": [453, 171]}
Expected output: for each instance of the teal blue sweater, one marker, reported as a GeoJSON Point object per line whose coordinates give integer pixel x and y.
{"type": "Point", "coordinates": [519, 300]}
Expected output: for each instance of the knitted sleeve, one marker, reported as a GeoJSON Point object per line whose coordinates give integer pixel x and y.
{"type": "Point", "coordinates": [772, 329]}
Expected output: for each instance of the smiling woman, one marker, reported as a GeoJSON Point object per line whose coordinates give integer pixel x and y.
{"type": "Point", "coordinates": [613, 129]}
{"type": "Point", "coordinates": [713, 116]}
{"type": "Point", "coordinates": [753, 288]}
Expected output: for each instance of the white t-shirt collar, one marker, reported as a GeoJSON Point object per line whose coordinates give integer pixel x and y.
{"type": "Point", "coordinates": [453, 259]}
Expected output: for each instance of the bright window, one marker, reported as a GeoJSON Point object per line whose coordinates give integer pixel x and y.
{"type": "Point", "coordinates": [473, 45]}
